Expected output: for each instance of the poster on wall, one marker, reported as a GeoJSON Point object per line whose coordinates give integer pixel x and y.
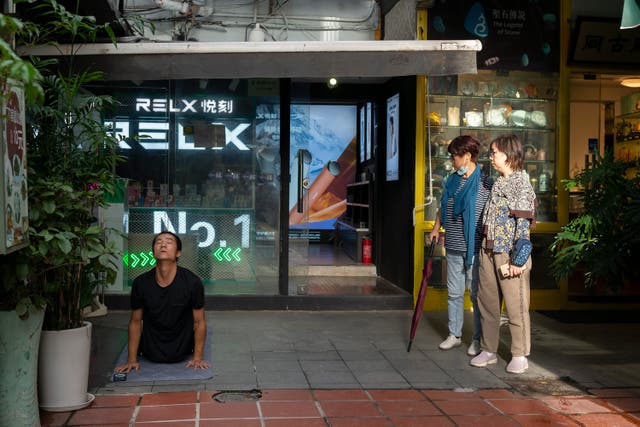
{"type": "Point", "coordinates": [393, 126]}
{"type": "Point", "coordinates": [328, 134]}
{"type": "Point", "coordinates": [15, 213]}
{"type": "Point", "coordinates": [515, 35]}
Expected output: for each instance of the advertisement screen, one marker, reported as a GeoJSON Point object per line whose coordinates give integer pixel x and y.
{"type": "Point", "coordinates": [363, 135]}
{"type": "Point", "coordinates": [326, 134]}
{"type": "Point", "coordinates": [393, 126]}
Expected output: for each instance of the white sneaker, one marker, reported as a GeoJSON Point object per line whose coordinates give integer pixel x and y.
{"type": "Point", "coordinates": [450, 342]}
{"type": "Point", "coordinates": [474, 348]}
{"type": "Point", "coordinates": [483, 359]}
{"type": "Point", "coordinates": [518, 365]}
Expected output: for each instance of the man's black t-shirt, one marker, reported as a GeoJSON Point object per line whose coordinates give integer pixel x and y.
{"type": "Point", "coordinates": [167, 314]}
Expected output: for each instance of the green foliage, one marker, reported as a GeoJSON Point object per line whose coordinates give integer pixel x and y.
{"type": "Point", "coordinates": [604, 238]}
{"type": "Point", "coordinates": [12, 67]}
{"type": "Point", "coordinates": [16, 292]}
{"type": "Point", "coordinates": [71, 159]}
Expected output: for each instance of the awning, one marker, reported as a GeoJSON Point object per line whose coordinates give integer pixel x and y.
{"type": "Point", "coordinates": [212, 60]}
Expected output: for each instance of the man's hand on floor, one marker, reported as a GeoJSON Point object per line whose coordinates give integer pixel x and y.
{"type": "Point", "coordinates": [127, 367]}
{"type": "Point", "coordinates": [198, 364]}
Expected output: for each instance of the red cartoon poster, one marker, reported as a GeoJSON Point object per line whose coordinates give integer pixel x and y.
{"type": "Point", "coordinates": [15, 214]}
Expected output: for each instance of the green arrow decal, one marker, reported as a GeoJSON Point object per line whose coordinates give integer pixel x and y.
{"type": "Point", "coordinates": [226, 254]}
{"type": "Point", "coordinates": [218, 254]}
{"type": "Point", "coordinates": [125, 259]}
{"type": "Point", "coordinates": [135, 260]}
{"type": "Point", "coordinates": [236, 253]}
{"type": "Point", "coordinates": [152, 263]}
{"type": "Point", "coordinates": [145, 259]}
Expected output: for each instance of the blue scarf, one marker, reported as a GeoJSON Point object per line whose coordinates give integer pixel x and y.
{"type": "Point", "coordinates": [464, 204]}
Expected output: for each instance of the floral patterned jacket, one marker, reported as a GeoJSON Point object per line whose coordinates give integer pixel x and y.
{"type": "Point", "coordinates": [509, 213]}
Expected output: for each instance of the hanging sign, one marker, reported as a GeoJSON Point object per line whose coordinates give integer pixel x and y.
{"type": "Point", "coordinates": [515, 35]}
{"type": "Point", "coordinates": [600, 41]}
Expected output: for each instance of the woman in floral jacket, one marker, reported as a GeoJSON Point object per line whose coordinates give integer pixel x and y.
{"type": "Point", "coordinates": [508, 216]}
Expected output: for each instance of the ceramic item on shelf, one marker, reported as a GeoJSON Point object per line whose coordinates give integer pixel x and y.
{"type": "Point", "coordinates": [509, 90]}
{"type": "Point", "coordinates": [483, 89]}
{"type": "Point", "coordinates": [473, 118]}
{"type": "Point", "coordinates": [539, 118]}
{"type": "Point", "coordinates": [542, 154]}
{"type": "Point", "coordinates": [496, 117]}
{"type": "Point", "coordinates": [531, 90]}
{"type": "Point", "coordinates": [519, 118]}
{"type": "Point", "coordinates": [453, 116]}
{"type": "Point", "coordinates": [467, 87]}
{"type": "Point", "coordinates": [530, 152]}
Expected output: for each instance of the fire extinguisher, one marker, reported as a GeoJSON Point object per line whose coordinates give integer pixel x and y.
{"type": "Point", "coordinates": [366, 250]}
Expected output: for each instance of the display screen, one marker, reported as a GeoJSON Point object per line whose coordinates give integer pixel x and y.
{"type": "Point", "coordinates": [369, 131]}
{"type": "Point", "coordinates": [393, 126]}
{"type": "Point", "coordinates": [328, 134]}
{"type": "Point", "coordinates": [363, 135]}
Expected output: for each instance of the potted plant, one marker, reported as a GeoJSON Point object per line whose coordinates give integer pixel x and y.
{"type": "Point", "coordinates": [72, 159]}
{"type": "Point", "coordinates": [602, 241]}
{"type": "Point", "coordinates": [21, 305]}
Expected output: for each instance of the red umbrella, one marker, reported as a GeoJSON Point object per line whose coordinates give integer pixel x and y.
{"type": "Point", "coordinates": [426, 273]}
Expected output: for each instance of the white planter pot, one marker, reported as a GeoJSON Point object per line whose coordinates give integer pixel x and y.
{"type": "Point", "coordinates": [63, 369]}
{"type": "Point", "coordinates": [19, 340]}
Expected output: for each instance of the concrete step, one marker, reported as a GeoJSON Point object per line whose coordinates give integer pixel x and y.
{"type": "Point", "coordinates": [352, 270]}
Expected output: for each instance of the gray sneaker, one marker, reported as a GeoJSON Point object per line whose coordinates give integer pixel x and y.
{"type": "Point", "coordinates": [518, 365]}
{"type": "Point", "coordinates": [474, 348]}
{"type": "Point", "coordinates": [450, 342]}
{"type": "Point", "coordinates": [483, 359]}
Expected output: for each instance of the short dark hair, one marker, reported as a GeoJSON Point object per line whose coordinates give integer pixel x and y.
{"type": "Point", "coordinates": [464, 144]}
{"type": "Point", "coordinates": [175, 236]}
{"type": "Point", "coordinates": [512, 147]}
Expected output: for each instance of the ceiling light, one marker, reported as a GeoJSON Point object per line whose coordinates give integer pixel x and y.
{"type": "Point", "coordinates": [631, 82]}
{"type": "Point", "coordinates": [332, 82]}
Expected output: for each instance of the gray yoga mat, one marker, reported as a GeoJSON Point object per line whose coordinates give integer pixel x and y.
{"type": "Point", "coordinates": [151, 371]}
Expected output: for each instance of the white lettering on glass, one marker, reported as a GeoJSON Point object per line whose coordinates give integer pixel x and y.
{"type": "Point", "coordinates": [164, 105]}
{"type": "Point", "coordinates": [161, 221]}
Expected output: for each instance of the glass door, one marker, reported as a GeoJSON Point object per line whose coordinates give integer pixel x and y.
{"type": "Point", "coordinates": [323, 148]}
{"type": "Point", "coordinates": [300, 162]}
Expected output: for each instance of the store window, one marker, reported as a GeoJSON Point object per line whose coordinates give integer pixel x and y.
{"type": "Point", "coordinates": [202, 160]}
{"type": "Point", "coordinates": [485, 106]}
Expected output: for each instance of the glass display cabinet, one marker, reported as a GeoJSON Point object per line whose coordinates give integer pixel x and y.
{"type": "Point", "coordinates": [627, 128]}
{"type": "Point", "coordinates": [485, 106]}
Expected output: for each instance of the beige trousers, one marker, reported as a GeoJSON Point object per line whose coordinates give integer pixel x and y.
{"type": "Point", "coordinates": [516, 294]}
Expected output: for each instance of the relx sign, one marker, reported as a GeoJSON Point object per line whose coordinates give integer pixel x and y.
{"type": "Point", "coordinates": [154, 135]}
{"type": "Point", "coordinates": [205, 107]}
{"type": "Point", "coordinates": [150, 117]}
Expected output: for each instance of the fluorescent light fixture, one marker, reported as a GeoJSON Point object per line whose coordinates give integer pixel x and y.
{"type": "Point", "coordinates": [631, 82]}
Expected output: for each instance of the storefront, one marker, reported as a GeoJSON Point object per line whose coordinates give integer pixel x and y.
{"type": "Point", "coordinates": [251, 161]}
{"type": "Point", "coordinates": [219, 140]}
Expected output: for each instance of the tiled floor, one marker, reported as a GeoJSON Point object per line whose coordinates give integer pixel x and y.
{"type": "Point", "coordinates": [357, 407]}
